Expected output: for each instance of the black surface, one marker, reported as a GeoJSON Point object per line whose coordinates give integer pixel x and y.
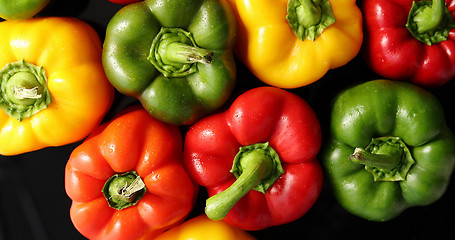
{"type": "Point", "coordinates": [34, 205]}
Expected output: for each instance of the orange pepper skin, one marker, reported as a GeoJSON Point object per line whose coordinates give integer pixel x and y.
{"type": "Point", "coordinates": [132, 141]}
{"type": "Point", "coordinates": [69, 50]}
{"type": "Point", "coordinates": [202, 228]}
{"type": "Point", "coordinates": [269, 48]}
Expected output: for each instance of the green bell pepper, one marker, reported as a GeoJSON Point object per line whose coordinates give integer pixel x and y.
{"type": "Point", "coordinates": [175, 56]}
{"type": "Point", "coordinates": [21, 9]}
{"type": "Point", "coordinates": [390, 149]}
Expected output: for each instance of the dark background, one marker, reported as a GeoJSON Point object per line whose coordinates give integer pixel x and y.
{"type": "Point", "coordinates": [34, 205]}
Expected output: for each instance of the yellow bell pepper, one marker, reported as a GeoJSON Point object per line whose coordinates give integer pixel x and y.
{"type": "Point", "coordinates": [53, 90]}
{"type": "Point", "coordinates": [202, 228]}
{"type": "Point", "coordinates": [292, 43]}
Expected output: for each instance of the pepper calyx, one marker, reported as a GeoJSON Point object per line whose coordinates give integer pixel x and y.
{"type": "Point", "coordinates": [124, 190]}
{"type": "Point", "coordinates": [386, 158]}
{"type": "Point", "coordinates": [23, 89]}
{"type": "Point", "coordinates": [309, 18]}
{"type": "Point", "coordinates": [257, 167]}
{"type": "Point", "coordinates": [174, 53]}
{"type": "Point", "coordinates": [430, 21]}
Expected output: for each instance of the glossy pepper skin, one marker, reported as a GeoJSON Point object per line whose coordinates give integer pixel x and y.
{"type": "Point", "coordinates": [414, 173]}
{"type": "Point", "coordinates": [53, 90]}
{"type": "Point", "coordinates": [150, 151]}
{"type": "Point", "coordinates": [392, 50]}
{"type": "Point", "coordinates": [276, 55]}
{"type": "Point", "coordinates": [202, 228]}
{"type": "Point", "coordinates": [174, 56]}
{"type": "Point", "coordinates": [21, 9]}
{"type": "Point", "coordinates": [279, 136]}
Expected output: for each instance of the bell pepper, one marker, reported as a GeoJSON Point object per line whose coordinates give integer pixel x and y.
{"type": "Point", "coordinates": [292, 43]}
{"type": "Point", "coordinates": [21, 9]}
{"type": "Point", "coordinates": [174, 56]}
{"type": "Point", "coordinates": [127, 179]}
{"type": "Point", "coordinates": [390, 149]}
{"type": "Point", "coordinates": [53, 90]}
{"type": "Point", "coordinates": [411, 40]}
{"type": "Point", "coordinates": [257, 159]}
{"type": "Point", "coordinates": [202, 228]}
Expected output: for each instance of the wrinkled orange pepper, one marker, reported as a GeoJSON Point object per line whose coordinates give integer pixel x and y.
{"type": "Point", "coordinates": [53, 90]}
{"type": "Point", "coordinates": [274, 53]}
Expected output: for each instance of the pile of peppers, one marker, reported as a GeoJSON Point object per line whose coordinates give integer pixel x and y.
{"type": "Point", "coordinates": [230, 131]}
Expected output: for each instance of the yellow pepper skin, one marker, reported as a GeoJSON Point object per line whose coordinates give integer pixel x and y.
{"type": "Point", "coordinates": [69, 51]}
{"type": "Point", "coordinates": [202, 228]}
{"type": "Point", "coordinates": [267, 45]}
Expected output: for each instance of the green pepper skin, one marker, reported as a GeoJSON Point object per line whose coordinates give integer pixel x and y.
{"type": "Point", "coordinates": [21, 9]}
{"type": "Point", "coordinates": [180, 100]}
{"type": "Point", "coordinates": [386, 108]}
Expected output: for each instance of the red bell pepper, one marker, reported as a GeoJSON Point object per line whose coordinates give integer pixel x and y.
{"type": "Point", "coordinates": [127, 180]}
{"type": "Point", "coordinates": [278, 135]}
{"type": "Point", "coordinates": [412, 41]}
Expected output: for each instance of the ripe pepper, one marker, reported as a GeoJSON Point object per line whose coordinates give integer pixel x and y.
{"type": "Point", "coordinates": [390, 149]}
{"type": "Point", "coordinates": [292, 43]}
{"type": "Point", "coordinates": [53, 90]}
{"type": "Point", "coordinates": [202, 228]}
{"type": "Point", "coordinates": [174, 56]}
{"type": "Point", "coordinates": [411, 40]}
{"type": "Point", "coordinates": [21, 9]}
{"type": "Point", "coordinates": [127, 180]}
{"type": "Point", "coordinates": [266, 141]}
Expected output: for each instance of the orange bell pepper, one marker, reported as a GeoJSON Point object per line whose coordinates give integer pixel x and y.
{"type": "Point", "coordinates": [272, 42]}
{"type": "Point", "coordinates": [53, 90]}
{"type": "Point", "coordinates": [127, 179]}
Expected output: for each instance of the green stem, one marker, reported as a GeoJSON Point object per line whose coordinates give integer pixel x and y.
{"type": "Point", "coordinates": [23, 89]}
{"type": "Point", "coordinates": [309, 13]}
{"type": "Point", "coordinates": [386, 161]}
{"type": "Point", "coordinates": [430, 17]}
{"type": "Point", "coordinates": [309, 18]}
{"type": "Point", "coordinates": [124, 190]}
{"type": "Point", "coordinates": [256, 167]}
{"type": "Point", "coordinates": [174, 53]}
{"type": "Point", "coordinates": [184, 53]}
{"type": "Point", "coordinates": [386, 158]}
{"type": "Point", "coordinates": [430, 21]}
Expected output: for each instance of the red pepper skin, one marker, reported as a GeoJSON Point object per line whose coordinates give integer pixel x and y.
{"type": "Point", "coordinates": [264, 114]}
{"type": "Point", "coordinates": [391, 51]}
{"type": "Point", "coordinates": [133, 141]}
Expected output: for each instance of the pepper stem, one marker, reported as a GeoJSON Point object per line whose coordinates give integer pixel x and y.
{"type": "Point", "coordinates": [430, 21]}
{"type": "Point", "coordinates": [174, 53]}
{"type": "Point", "coordinates": [23, 89]}
{"type": "Point", "coordinates": [184, 53]}
{"type": "Point", "coordinates": [430, 17]}
{"type": "Point", "coordinates": [256, 167]}
{"type": "Point", "coordinates": [387, 161]}
{"type": "Point", "coordinates": [309, 18]}
{"type": "Point", "coordinates": [386, 158]}
{"type": "Point", "coordinates": [124, 190]}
